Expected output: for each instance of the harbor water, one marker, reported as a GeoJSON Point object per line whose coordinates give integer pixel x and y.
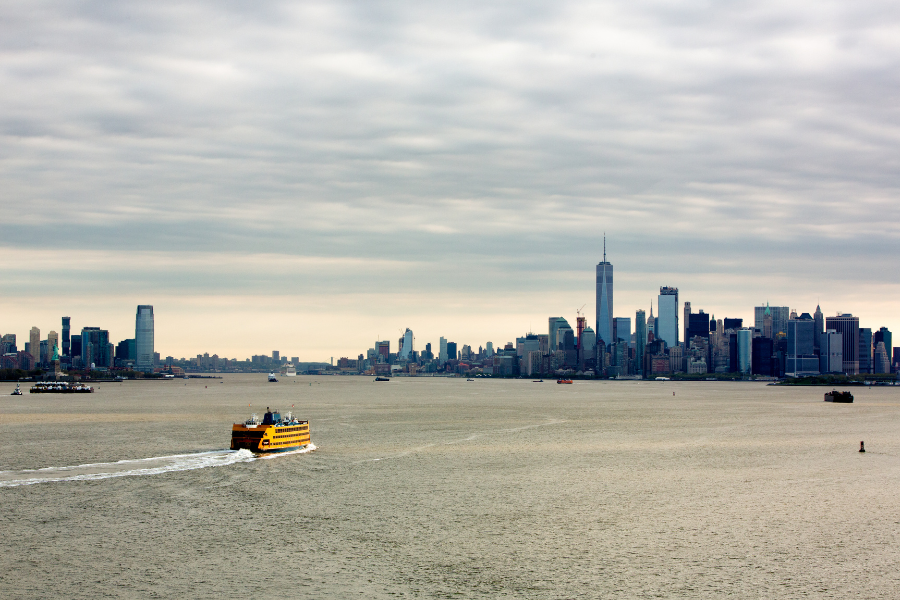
{"type": "Point", "coordinates": [447, 488]}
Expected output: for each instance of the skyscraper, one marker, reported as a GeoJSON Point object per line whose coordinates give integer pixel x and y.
{"type": "Point", "coordinates": [848, 326]}
{"type": "Point", "coordinates": [687, 324]}
{"type": "Point", "coordinates": [780, 316]}
{"type": "Point", "coordinates": [442, 353]}
{"type": "Point", "coordinates": [745, 350]}
{"type": "Point", "coordinates": [34, 346]}
{"type": "Point", "coordinates": [623, 329]}
{"type": "Point", "coordinates": [604, 299]}
{"type": "Point", "coordinates": [66, 337]}
{"type": "Point", "coordinates": [640, 340]}
{"type": "Point", "coordinates": [865, 350]}
{"type": "Point", "coordinates": [143, 338]}
{"type": "Point", "coordinates": [406, 349]}
{"type": "Point", "coordinates": [668, 316]}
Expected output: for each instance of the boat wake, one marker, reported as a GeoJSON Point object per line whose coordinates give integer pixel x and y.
{"type": "Point", "coordinates": [136, 467]}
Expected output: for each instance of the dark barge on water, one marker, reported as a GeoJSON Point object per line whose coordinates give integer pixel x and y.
{"type": "Point", "coordinates": [836, 396]}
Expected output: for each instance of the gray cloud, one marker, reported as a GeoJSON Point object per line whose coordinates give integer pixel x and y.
{"type": "Point", "coordinates": [494, 143]}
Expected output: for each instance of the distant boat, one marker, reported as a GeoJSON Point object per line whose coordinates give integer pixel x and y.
{"type": "Point", "coordinates": [272, 378]}
{"type": "Point", "coordinates": [17, 391]}
{"type": "Point", "coordinates": [382, 379]}
{"type": "Point", "coordinates": [470, 380]}
{"type": "Point", "coordinates": [538, 381]}
{"type": "Point", "coordinates": [836, 396]}
{"type": "Point", "coordinates": [288, 370]}
{"type": "Point", "coordinates": [563, 381]}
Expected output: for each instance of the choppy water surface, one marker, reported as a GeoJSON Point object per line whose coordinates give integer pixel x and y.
{"type": "Point", "coordinates": [447, 488]}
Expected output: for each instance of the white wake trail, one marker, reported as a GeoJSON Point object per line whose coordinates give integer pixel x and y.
{"type": "Point", "coordinates": [126, 468]}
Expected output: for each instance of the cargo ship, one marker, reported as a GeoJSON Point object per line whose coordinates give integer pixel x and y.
{"type": "Point", "coordinates": [273, 434]}
{"type": "Point", "coordinates": [60, 387]}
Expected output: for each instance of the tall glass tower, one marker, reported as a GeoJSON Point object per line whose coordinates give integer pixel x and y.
{"type": "Point", "coordinates": [604, 328]}
{"type": "Point", "coordinates": [143, 338]}
{"type": "Point", "coordinates": [667, 328]}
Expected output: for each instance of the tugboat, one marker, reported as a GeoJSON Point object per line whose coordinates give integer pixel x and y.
{"type": "Point", "coordinates": [272, 378]}
{"type": "Point", "coordinates": [836, 396]}
{"type": "Point", "coordinates": [382, 379]}
{"type": "Point", "coordinates": [273, 434]}
{"type": "Point", "coordinates": [17, 391]}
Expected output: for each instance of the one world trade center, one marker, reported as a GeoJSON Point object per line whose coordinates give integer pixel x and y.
{"type": "Point", "coordinates": [605, 330]}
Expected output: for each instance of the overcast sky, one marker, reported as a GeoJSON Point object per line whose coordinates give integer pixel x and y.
{"type": "Point", "coordinates": [309, 176]}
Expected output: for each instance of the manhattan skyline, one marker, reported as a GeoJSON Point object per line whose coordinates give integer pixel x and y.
{"type": "Point", "coordinates": [315, 177]}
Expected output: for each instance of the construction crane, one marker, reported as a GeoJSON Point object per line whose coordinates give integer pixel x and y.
{"type": "Point", "coordinates": [578, 312]}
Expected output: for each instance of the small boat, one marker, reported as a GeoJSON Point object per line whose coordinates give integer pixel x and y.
{"type": "Point", "coordinates": [836, 396]}
{"type": "Point", "coordinates": [17, 391]}
{"type": "Point", "coordinates": [272, 378]}
{"type": "Point", "coordinates": [470, 380]}
{"type": "Point", "coordinates": [563, 381]}
{"type": "Point", "coordinates": [382, 379]}
{"type": "Point", "coordinates": [538, 381]}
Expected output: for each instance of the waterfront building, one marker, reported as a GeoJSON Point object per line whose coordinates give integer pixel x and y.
{"type": "Point", "coordinates": [604, 329]}
{"type": "Point", "coordinates": [95, 348]}
{"type": "Point", "coordinates": [640, 340]}
{"type": "Point", "coordinates": [831, 352]}
{"type": "Point", "coordinates": [144, 338]}
{"type": "Point", "coordinates": [34, 345]}
{"type": "Point", "coordinates": [801, 358]}
{"type": "Point", "coordinates": [848, 326]}
{"type": "Point", "coordinates": [745, 350]}
{"type": "Point", "coordinates": [668, 316]}
{"type": "Point", "coordinates": [407, 346]}
{"type": "Point", "coordinates": [865, 350]}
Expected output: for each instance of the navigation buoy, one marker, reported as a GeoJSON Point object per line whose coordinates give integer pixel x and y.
{"type": "Point", "coordinates": [673, 393]}
{"type": "Point", "coordinates": [862, 446]}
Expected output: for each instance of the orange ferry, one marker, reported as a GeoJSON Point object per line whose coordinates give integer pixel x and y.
{"type": "Point", "coordinates": [273, 434]}
{"type": "Point", "coordinates": [563, 381]}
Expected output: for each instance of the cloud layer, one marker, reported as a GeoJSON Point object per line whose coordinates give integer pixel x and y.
{"type": "Point", "coordinates": [453, 158]}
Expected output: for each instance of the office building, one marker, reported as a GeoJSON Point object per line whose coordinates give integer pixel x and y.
{"type": "Point", "coordinates": [451, 351]}
{"type": "Point", "coordinates": [819, 320]}
{"type": "Point", "coordinates": [66, 337]}
{"type": "Point", "coordinates": [488, 349]}
{"type": "Point", "coordinates": [52, 342]}
{"type": "Point", "coordinates": [383, 351]}
{"type": "Point", "coordinates": [34, 345]}
{"type": "Point", "coordinates": [604, 329]}
{"type": "Point", "coordinates": [96, 351]}
{"type": "Point", "coordinates": [865, 350]}
{"type": "Point", "coordinates": [731, 324]}
{"type": "Point", "coordinates": [801, 359]}
{"type": "Point", "coordinates": [554, 325]}
{"type": "Point", "coordinates": [640, 340]}
{"type": "Point", "coordinates": [143, 338]}
{"type": "Point", "coordinates": [745, 350]}
{"type": "Point", "coordinates": [780, 316]}
{"type": "Point", "coordinates": [881, 362]}
{"type": "Point", "coordinates": [761, 360]}
{"type": "Point", "coordinates": [698, 325]}
{"type": "Point", "coordinates": [848, 326]}
{"type": "Point", "coordinates": [587, 348]}
{"type": "Point", "coordinates": [883, 335]}
{"type": "Point", "coordinates": [623, 329]}
{"type": "Point", "coordinates": [831, 352]}
{"type": "Point", "coordinates": [406, 349]}
{"type": "Point", "coordinates": [687, 324]}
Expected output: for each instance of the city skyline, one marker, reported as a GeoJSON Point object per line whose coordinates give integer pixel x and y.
{"type": "Point", "coordinates": [315, 175]}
